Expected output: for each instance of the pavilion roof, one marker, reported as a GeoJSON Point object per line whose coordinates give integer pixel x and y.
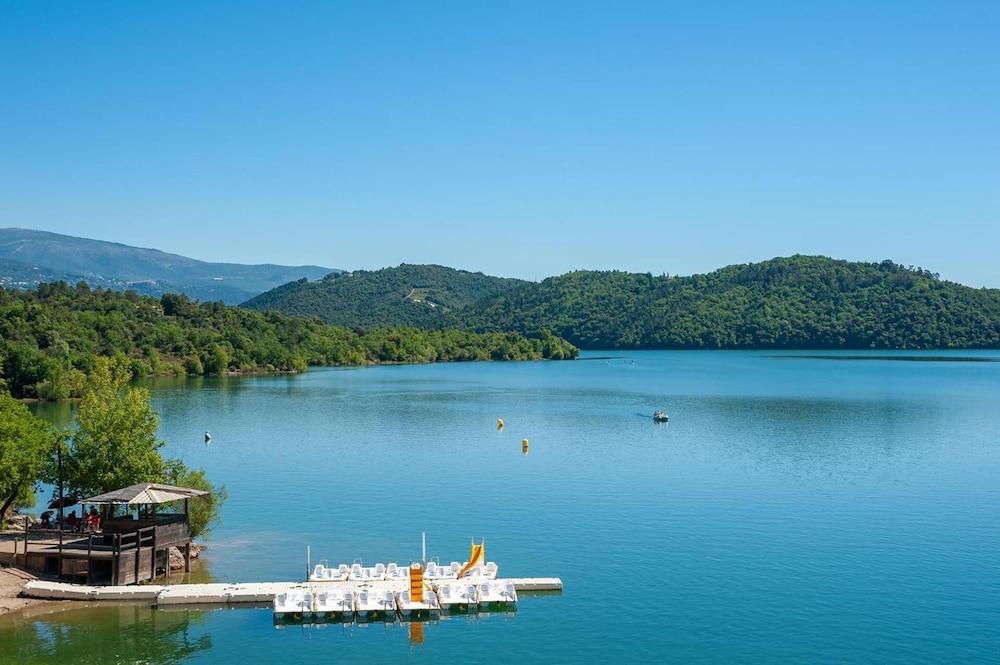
{"type": "Point", "coordinates": [145, 493]}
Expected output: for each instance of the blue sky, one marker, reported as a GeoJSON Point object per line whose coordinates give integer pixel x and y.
{"type": "Point", "coordinates": [520, 139]}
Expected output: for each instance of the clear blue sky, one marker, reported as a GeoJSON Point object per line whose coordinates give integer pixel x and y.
{"type": "Point", "coordinates": [519, 139]}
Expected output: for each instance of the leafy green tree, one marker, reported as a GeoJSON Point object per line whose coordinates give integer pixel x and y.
{"type": "Point", "coordinates": [115, 444]}
{"type": "Point", "coordinates": [24, 367]}
{"type": "Point", "coordinates": [205, 511]}
{"type": "Point", "coordinates": [193, 366]}
{"type": "Point", "coordinates": [63, 382]}
{"type": "Point", "coordinates": [26, 444]}
{"type": "Point", "coordinates": [216, 361]}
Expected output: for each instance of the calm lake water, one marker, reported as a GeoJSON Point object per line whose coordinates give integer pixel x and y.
{"type": "Point", "coordinates": [838, 507]}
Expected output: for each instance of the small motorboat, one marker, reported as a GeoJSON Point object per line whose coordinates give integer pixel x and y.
{"type": "Point", "coordinates": [660, 416]}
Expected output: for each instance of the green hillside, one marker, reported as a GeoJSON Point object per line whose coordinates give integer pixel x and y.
{"type": "Point", "coordinates": [50, 336]}
{"type": "Point", "coordinates": [408, 295]}
{"type": "Point", "coordinates": [794, 302]}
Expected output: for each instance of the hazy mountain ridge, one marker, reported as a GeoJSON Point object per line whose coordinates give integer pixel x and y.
{"type": "Point", "coordinates": [114, 265]}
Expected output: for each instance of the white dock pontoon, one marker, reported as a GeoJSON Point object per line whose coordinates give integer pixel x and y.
{"type": "Point", "coordinates": [344, 593]}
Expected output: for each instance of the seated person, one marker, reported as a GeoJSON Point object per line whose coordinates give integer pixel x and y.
{"type": "Point", "coordinates": [95, 519]}
{"type": "Point", "coordinates": [46, 520]}
{"type": "Point", "coordinates": [72, 521]}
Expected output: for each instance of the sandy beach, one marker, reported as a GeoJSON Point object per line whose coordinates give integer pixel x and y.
{"type": "Point", "coordinates": [12, 580]}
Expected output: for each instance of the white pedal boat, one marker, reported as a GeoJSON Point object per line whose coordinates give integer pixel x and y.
{"type": "Point", "coordinates": [334, 604]}
{"type": "Point", "coordinates": [488, 571]}
{"type": "Point", "coordinates": [410, 608]}
{"type": "Point", "coordinates": [457, 596]}
{"type": "Point", "coordinates": [437, 572]}
{"type": "Point", "coordinates": [496, 595]}
{"type": "Point", "coordinates": [370, 604]}
{"type": "Point", "coordinates": [397, 572]}
{"type": "Point", "coordinates": [321, 573]}
{"type": "Point", "coordinates": [359, 573]}
{"type": "Point", "coordinates": [293, 604]}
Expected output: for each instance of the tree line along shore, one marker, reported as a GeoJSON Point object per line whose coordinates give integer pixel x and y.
{"type": "Point", "coordinates": [51, 337]}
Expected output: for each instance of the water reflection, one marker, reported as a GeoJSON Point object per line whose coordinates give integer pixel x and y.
{"type": "Point", "coordinates": [105, 634]}
{"type": "Point", "coordinates": [419, 630]}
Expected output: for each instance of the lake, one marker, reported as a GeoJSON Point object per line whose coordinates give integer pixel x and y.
{"type": "Point", "coordinates": [797, 507]}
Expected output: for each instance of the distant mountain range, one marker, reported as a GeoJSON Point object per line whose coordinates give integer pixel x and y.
{"type": "Point", "coordinates": [29, 257]}
{"type": "Point", "coordinates": [789, 302]}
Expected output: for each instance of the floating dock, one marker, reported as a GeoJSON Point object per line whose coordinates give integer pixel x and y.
{"type": "Point", "coordinates": [236, 593]}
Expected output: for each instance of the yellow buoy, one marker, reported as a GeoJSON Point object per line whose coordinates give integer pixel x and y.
{"type": "Point", "coordinates": [524, 446]}
{"type": "Point", "coordinates": [499, 424]}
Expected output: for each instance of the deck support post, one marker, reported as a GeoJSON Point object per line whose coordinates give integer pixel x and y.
{"type": "Point", "coordinates": [187, 557]}
{"type": "Point", "coordinates": [115, 558]}
{"type": "Point", "coordinates": [90, 563]}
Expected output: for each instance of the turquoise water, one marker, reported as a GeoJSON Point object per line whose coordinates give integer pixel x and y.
{"type": "Point", "coordinates": [833, 508]}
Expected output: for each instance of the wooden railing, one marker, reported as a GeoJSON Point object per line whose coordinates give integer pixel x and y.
{"type": "Point", "coordinates": [161, 533]}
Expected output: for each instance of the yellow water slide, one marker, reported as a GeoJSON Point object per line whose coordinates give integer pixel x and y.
{"type": "Point", "coordinates": [477, 557]}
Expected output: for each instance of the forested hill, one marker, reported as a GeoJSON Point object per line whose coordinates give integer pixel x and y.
{"type": "Point", "coordinates": [50, 337]}
{"type": "Point", "coordinates": [407, 295]}
{"type": "Point", "coordinates": [794, 302]}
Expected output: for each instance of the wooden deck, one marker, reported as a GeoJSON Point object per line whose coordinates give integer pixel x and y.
{"type": "Point", "coordinates": [124, 552]}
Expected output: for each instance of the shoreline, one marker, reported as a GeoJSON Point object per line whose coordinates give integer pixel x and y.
{"type": "Point", "coordinates": [12, 581]}
{"type": "Point", "coordinates": [14, 578]}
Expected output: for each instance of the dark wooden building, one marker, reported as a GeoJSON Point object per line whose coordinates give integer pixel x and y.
{"type": "Point", "coordinates": [133, 543]}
